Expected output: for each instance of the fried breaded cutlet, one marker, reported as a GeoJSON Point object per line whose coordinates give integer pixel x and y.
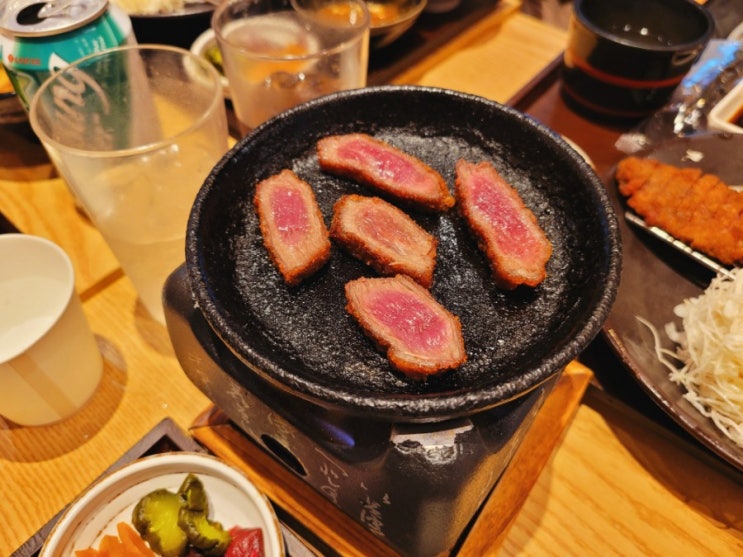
{"type": "Point", "coordinates": [696, 208]}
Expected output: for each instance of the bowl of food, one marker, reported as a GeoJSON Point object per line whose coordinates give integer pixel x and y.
{"type": "Point", "coordinates": [390, 19]}
{"type": "Point", "coordinates": [168, 504]}
{"type": "Point", "coordinates": [172, 22]}
{"type": "Point", "coordinates": [11, 110]}
{"type": "Point", "coordinates": [205, 46]}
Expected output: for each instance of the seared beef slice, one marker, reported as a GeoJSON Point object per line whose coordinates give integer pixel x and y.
{"type": "Point", "coordinates": [384, 237]}
{"type": "Point", "coordinates": [389, 170]}
{"type": "Point", "coordinates": [420, 336]}
{"type": "Point", "coordinates": [292, 225]}
{"type": "Point", "coordinates": [506, 230]}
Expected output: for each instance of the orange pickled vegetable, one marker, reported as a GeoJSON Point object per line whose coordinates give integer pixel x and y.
{"type": "Point", "coordinates": [90, 552]}
{"type": "Point", "coordinates": [109, 546]}
{"type": "Point", "coordinates": [133, 541]}
{"type": "Point", "coordinates": [128, 543]}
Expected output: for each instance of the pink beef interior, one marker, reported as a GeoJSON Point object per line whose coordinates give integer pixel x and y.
{"type": "Point", "coordinates": [290, 214]}
{"type": "Point", "coordinates": [383, 229]}
{"type": "Point", "coordinates": [389, 165]}
{"type": "Point", "coordinates": [410, 321]}
{"type": "Point", "coordinates": [498, 209]}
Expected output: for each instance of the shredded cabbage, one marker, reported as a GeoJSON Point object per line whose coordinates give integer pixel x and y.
{"type": "Point", "coordinates": [708, 358]}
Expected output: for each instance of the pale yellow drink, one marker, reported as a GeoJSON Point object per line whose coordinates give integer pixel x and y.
{"type": "Point", "coordinates": [142, 201]}
{"type": "Point", "coordinates": [139, 150]}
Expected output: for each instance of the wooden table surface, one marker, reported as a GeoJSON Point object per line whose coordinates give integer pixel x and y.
{"type": "Point", "coordinates": [616, 484]}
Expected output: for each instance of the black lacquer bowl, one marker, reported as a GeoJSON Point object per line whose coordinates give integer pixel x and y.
{"type": "Point", "coordinates": [624, 58]}
{"type": "Point", "coordinates": [302, 340]}
{"type": "Point", "coordinates": [179, 28]}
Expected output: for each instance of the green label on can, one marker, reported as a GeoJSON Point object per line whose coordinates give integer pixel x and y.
{"type": "Point", "coordinates": [29, 61]}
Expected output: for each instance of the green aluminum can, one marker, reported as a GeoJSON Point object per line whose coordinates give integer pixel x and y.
{"type": "Point", "coordinates": [39, 38]}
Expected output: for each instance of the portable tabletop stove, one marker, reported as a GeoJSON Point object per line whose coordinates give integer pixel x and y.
{"type": "Point", "coordinates": [416, 486]}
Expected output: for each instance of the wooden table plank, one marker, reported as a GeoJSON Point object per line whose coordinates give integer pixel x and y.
{"type": "Point", "coordinates": [505, 502]}
{"type": "Point", "coordinates": [621, 485]}
{"type": "Point", "coordinates": [433, 33]}
{"type": "Point", "coordinates": [44, 468]}
{"type": "Point", "coordinates": [494, 60]}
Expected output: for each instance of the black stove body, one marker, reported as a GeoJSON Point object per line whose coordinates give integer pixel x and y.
{"type": "Point", "coordinates": [416, 486]}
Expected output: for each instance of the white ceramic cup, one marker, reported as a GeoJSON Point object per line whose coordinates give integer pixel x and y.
{"type": "Point", "coordinates": [50, 364]}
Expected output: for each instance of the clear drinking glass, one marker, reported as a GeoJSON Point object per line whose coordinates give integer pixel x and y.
{"type": "Point", "coordinates": [280, 53]}
{"type": "Point", "coordinates": [135, 131]}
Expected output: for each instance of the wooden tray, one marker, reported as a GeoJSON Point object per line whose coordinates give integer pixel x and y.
{"type": "Point", "coordinates": [332, 532]}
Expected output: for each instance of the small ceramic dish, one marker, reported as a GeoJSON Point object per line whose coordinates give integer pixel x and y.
{"type": "Point", "coordinates": [727, 114]}
{"type": "Point", "coordinates": [390, 19]}
{"type": "Point", "coordinates": [206, 47]}
{"type": "Point", "coordinates": [11, 110]}
{"type": "Point", "coordinates": [737, 33]}
{"type": "Point", "coordinates": [233, 501]}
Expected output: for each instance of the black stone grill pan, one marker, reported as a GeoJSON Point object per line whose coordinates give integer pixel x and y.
{"type": "Point", "coordinates": [302, 340]}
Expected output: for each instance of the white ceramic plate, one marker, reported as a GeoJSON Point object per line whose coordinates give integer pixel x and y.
{"type": "Point", "coordinates": [201, 45]}
{"type": "Point", "coordinates": [579, 150]}
{"type": "Point", "coordinates": [656, 277]}
{"type": "Point", "coordinates": [233, 500]}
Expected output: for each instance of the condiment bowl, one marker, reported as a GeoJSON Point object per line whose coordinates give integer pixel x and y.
{"type": "Point", "coordinates": [390, 19]}
{"type": "Point", "coordinates": [727, 114]}
{"type": "Point", "coordinates": [206, 47]}
{"type": "Point", "coordinates": [233, 501]}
